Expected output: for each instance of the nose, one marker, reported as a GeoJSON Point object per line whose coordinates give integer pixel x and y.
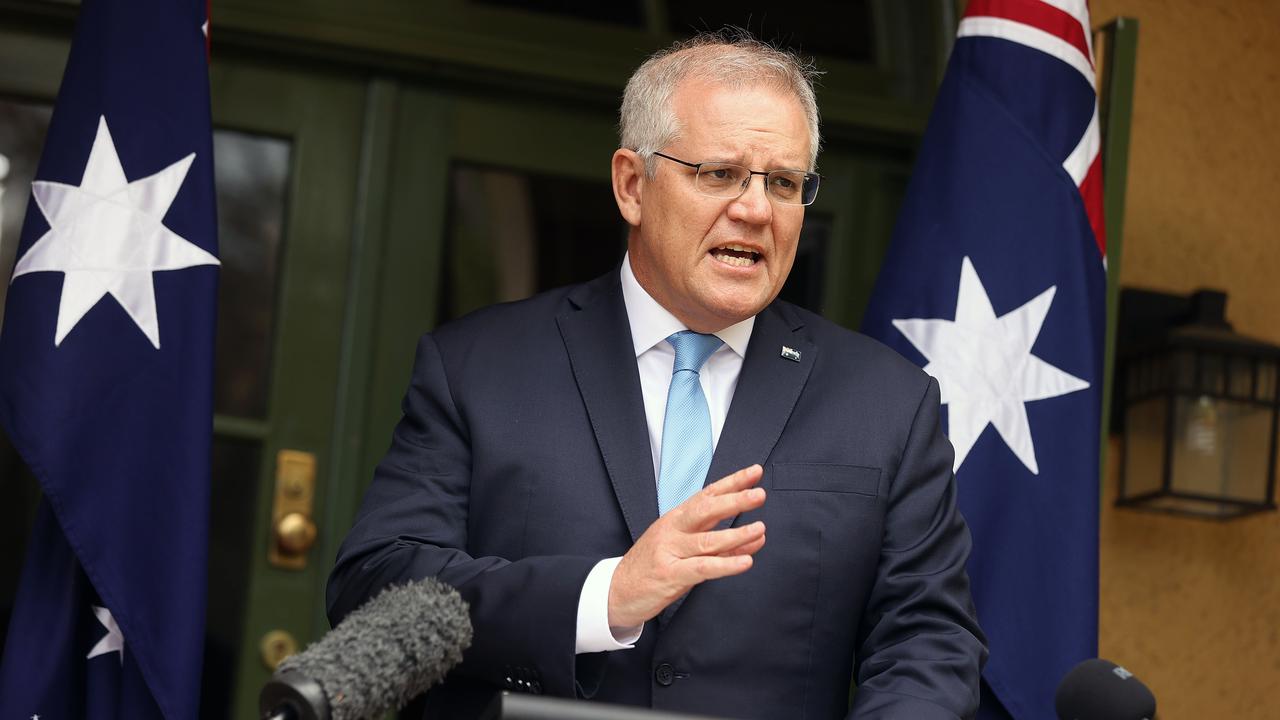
{"type": "Point", "coordinates": [753, 205]}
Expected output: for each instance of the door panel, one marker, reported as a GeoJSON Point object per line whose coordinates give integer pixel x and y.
{"type": "Point", "coordinates": [293, 141]}
{"type": "Point", "coordinates": [252, 180]}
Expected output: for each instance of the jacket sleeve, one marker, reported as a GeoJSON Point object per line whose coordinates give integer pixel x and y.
{"type": "Point", "coordinates": [413, 524]}
{"type": "Point", "coordinates": [920, 648]}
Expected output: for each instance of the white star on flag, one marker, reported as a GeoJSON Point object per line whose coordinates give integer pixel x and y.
{"type": "Point", "coordinates": [985, 368]}
{"type": "Point", "coordinates": [113, 641]}
{"type": "Point", "coordinates": [107, 236]}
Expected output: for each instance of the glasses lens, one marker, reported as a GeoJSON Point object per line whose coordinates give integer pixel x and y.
{"type": "Point", "coordinates": [787, 186]}
{"type": "Point", "coordinates": [721, 180]}
{"type": "Point", "coordinates": [810, 191]}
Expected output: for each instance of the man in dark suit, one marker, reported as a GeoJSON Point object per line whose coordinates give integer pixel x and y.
{"type": "Point", "coordinates": [552, 455]}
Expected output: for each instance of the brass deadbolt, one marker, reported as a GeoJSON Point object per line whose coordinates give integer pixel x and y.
{"type": "Point", "coordinates": [276, 646]}
{"type": "Point", "coordinates": [295, 533]}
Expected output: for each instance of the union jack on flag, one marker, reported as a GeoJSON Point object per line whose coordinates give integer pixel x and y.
{"type": "Point", "coordinates": [995, 283]}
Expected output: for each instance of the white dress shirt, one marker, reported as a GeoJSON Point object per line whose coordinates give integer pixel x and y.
{"type": "Point", "coordinates": [651, 324]}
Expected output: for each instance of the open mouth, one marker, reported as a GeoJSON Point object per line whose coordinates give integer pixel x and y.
{"type": "Point", "coordinates": [735, 255]}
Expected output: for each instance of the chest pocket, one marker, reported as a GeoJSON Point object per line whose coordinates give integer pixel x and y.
{"type": "Point", "coordinates": [822, 477]}
{"type": "Point", "coordinates": [829, 518]}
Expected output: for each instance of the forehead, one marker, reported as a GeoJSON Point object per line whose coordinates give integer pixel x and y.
{"type": "Point", "coordinates": [758, 121]}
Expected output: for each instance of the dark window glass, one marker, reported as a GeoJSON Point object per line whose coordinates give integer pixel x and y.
{"type": "Point", "coordinates": [808, 279]}
{"type": "Point", "coordinates": [21, 495]}
{"type": "Point", "coordinates": [236, 466]}
{"type": "Point", "coordinates": [835, 28]}
{"type": "Point", "coordinates": [512, 234]}
{"type": "Point", "coordinates": [622, 13]}
{"type": "Point", "coordinates": [251, 174]}
{"type": "Point", "coordinates": [22, 130]}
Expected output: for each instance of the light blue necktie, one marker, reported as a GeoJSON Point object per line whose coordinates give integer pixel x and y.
{"type": "Point", "coordinates": [686, 428]}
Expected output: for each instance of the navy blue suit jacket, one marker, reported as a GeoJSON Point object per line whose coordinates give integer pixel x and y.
{"type": "Point", "coordinates": [523, 458]}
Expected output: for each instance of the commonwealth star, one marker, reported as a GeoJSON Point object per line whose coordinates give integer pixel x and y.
{"type": "Point", "coordinates": [107, 236]}
{"type": "Point", "coordinates": [113, 641]}
{"type": "Point", "coordinates": [985, 368]}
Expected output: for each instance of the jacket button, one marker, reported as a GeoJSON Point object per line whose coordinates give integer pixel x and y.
{"type": "Point", "coordinates": [664, 674]}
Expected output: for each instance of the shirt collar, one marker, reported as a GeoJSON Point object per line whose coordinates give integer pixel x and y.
{"type": "Point", "coordinates": [651, 323]}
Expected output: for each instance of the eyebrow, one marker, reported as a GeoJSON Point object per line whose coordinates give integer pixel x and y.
{"type": "Point", "coordinates": [743, 163]}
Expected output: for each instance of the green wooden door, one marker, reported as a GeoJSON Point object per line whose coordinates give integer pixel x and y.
{"type": "Point", "coordinates": [287, 304]}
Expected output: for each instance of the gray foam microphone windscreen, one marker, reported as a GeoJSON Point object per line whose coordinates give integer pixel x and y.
{"type": "Point", "coordinates": [389, 651]}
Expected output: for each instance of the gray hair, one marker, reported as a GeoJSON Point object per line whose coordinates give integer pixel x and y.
{"type": "Point", "coordinates": [732, 57]}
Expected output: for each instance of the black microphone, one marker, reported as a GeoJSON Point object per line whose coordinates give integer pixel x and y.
{"type": "Point", "coordinates": [1099, 689]}
{"type": "Point", "coordinates": [381, 656]}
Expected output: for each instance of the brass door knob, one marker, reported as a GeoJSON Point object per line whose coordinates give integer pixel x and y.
{"type": "Point", "coordinates": [295, 533]}
{"type": "Point", "coordinates": [275, 646]}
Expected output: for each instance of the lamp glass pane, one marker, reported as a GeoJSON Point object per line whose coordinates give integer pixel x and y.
{"type": "Point", "coordinates": [1266, 381]}
{"type": "Point", "coordinates": [1240, 377]}
{"type": "Point", "coordinates": [1133, 380]}
{"type": "Point", "coordinates": [1144, 446]}
{"type": "Point", "coordinates": [1213, 379]}
{"type": "Point", "coordinates": [1148, 374]}
{"type": "Point", "coordinates": [1184, 370]}
{"type": "Point", "coordinates": [1159, 376]}
{"type": "Point", "coordinates": [1220, 448]}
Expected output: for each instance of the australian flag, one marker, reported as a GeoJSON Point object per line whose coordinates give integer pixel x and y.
{"type": "Point", "coordinates": [106, 358]}
{"type": "Point", "coordinates": [995, 283]}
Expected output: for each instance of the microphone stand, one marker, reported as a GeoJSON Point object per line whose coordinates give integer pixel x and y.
{"type": "Point", "coordinates": [293, 696]}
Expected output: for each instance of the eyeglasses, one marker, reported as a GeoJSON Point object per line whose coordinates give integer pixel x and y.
{"type": "Point", "coordinates": [726, 180]}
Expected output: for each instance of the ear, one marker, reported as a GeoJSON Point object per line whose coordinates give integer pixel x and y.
{"type": "Point", "coordinates": [628, 184]}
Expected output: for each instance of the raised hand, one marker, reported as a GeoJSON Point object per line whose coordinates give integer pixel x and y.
{"type": "Point", "coordinates": [680, 549]}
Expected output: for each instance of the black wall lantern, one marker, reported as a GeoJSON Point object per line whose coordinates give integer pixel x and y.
{"type": "Point", "coordinates": [1198, 406]}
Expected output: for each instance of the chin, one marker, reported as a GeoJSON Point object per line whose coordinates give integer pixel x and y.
{"type": "Point", "coordinates": [733, 312]}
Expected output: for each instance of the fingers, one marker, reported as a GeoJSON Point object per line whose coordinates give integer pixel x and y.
{"type": "Point", "coordinates": [650, 577]}
{"type": "Point", "coordinates": [741, 480]}
{"type": "Point", "coordinates": [702, 512]}
{"type": "Point", "coordinates": [707, 567]}
{"type": "Point", "coordinates": [751, 547]}
{"type": "Point", "coordinates": [680, 549]}
{"type": "Point", "coordinates": [731, 495]}
{"type": "Point", "coordinates": [721, 542]}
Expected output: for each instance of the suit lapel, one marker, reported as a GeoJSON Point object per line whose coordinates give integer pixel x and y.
{"type": "Point", "coordinates": [597, 338]}
{"type": "Point", "coordinates": [768, 388]}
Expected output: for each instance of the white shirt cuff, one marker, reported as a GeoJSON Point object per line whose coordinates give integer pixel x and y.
{"type": "Point", "coordinates": [594, 633]}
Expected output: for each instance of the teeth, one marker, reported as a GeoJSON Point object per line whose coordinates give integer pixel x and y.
{"type": "Point", "coordinates": [735, 260]}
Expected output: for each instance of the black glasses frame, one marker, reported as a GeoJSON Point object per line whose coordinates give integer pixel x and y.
{"type": "Point", "coordinates": [697, 167]}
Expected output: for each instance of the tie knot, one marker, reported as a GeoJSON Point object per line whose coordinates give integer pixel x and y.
{"type": "Point", "coordinates": [692, 349]}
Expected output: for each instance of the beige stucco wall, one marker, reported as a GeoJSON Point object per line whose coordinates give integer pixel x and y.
{"type": "Point", "coordinates": [1193, 607]}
